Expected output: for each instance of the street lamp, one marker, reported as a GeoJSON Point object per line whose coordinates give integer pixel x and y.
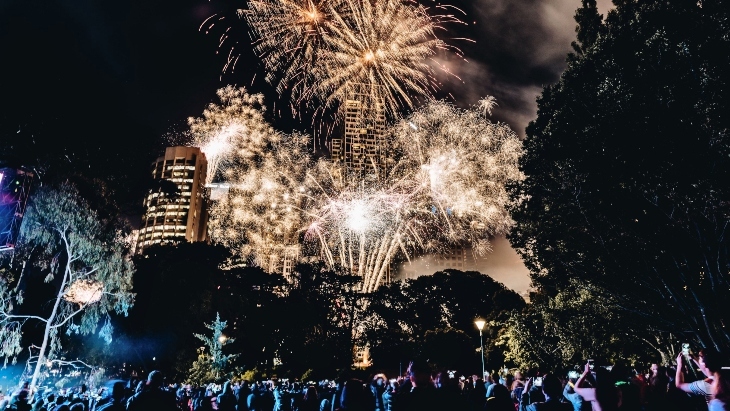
{"type": "Point", "coordinates": [480, 325]}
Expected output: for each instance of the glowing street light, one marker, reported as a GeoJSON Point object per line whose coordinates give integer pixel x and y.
{"type": "Point", "coordinates": [480, 325]}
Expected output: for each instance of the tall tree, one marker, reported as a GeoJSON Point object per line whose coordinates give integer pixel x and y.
{"type": "Point", "coordinates": [199, 283]}
{"type": "Point", "coordinates": [402, 313]}
{"type": "Point", "coordinates": [580, 321]}
{"type": "Point", "coordinates": [86, 264]}
{"type": "Point", "coordinates": [317, 322]}
{"type": "Point", "coordinates": [213, 365]}
{"type": "Point", "coordinates": [627, 166]}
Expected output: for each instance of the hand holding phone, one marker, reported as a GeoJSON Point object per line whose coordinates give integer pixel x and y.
{"type": "Point", "coordinates": [589, 366]}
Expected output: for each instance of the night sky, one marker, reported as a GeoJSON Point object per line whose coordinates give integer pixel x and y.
{"type": "Point", "coordinates": [106, 83]}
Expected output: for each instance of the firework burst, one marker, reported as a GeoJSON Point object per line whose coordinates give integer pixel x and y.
{"type": "Point", "coordinates": [466, 162]}
{"type": "Point", "coordinates": [445, 186]}
{"type": "Point", "coordinates": [386, 43]}
{"type": "Point", "coordinates": [289, 37]}
{"type": "Point", "coordinates": [264, 212]}
{"type": "Point", "coordinates": [231, 132]}
{"type": "Point", "coordinates": [317, 48]}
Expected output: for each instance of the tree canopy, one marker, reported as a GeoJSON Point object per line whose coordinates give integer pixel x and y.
{"type": "Point", "coordinates": [85, 264]}
{"type": "Point", "coordinates": [408, 319]}
{"type": "Point", "coordinates": [310, 326]}
{"type": "Point", "coordinates": [627, 166]}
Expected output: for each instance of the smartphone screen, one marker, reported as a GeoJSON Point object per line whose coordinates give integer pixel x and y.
{"type": "Point", "coordinates": [685, 349]}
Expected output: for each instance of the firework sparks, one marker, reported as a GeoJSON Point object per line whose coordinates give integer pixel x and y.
{"type": "Point", "coordinates": [315, 49]}
{"type": "Point", "coordinates": [445, 186]}
{"type": "Point", "coordinates": [290, 36]}
{"type": "Point", "coordinates": [487, 104]}
{"type": "Point", "coordinates": [386, 43]}
{"type": "Point", "coordinates": [232, 131]}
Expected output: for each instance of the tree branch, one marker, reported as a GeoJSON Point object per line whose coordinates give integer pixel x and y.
{"type": "Point", "coordinates": [24, 317]}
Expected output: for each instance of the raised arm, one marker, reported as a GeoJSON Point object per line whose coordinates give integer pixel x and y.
{"type": "Point", "coordinates": [582, 379]}
{"type": "Point", "coordinates": [525, 398]}
{"type": "Point", "coordinates": [588, 394]}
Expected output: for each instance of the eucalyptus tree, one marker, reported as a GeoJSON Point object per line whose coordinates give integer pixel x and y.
{"type": "Point", "coordinates": [86, 266]}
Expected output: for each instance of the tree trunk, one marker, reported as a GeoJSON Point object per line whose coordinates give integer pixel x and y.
{"type": "Point", "coordinates": [52, 317]}
{"type": "Point", "coordinates": [41, 357]}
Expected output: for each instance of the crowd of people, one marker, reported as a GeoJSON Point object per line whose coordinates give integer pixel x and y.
{"type": "Point", "coordinates": [594, 389]}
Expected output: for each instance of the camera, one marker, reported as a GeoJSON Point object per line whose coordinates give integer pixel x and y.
{"type": "Point", "coordinates": [538, 381]}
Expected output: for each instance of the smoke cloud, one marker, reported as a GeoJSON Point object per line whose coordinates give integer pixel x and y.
{"type": "Point", "coordinates": [521, 46]}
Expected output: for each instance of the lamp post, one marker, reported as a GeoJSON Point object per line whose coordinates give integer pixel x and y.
{"type": "Point", "coordinates": [480, 325]}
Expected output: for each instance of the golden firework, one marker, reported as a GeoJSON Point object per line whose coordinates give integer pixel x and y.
{"type": "Point", "coordinates": [445, 185]}
{"type": "Point", "coordinates": [289, 37]}
{"type": "Point", "coordinates": [315, 49]}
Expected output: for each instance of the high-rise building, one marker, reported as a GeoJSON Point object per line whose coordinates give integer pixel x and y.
{"type": "Point", "coordinates": [362, 150]}
{"type": "Point", "coordinates": [282, 259]}
{"type": "Point", "coordinates": [454, 258]}
{"type": "Point", "coordinates": [173, 217]}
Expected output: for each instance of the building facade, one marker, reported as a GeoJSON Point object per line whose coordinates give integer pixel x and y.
{"type": "Point", "coordinates": [173, 216]}
{"type": "Point", "coordinates": [282, 259]}
{"type": "Point", "coordinates": [362, 152]}
{"type": "Point", "coordinates": [455, 258]}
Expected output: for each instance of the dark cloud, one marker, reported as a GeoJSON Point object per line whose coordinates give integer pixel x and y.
{"type": "Point", "coordinates": [520, 46]}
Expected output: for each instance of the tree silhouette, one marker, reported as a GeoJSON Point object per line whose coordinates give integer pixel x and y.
{"type": "Point", "coordinates": [627, 166]}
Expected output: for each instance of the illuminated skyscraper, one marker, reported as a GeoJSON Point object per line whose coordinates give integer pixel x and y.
{"type": "Point", "coordinates": [173, 216]}
{"type": "Point", "coordinates": [362, 151]}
